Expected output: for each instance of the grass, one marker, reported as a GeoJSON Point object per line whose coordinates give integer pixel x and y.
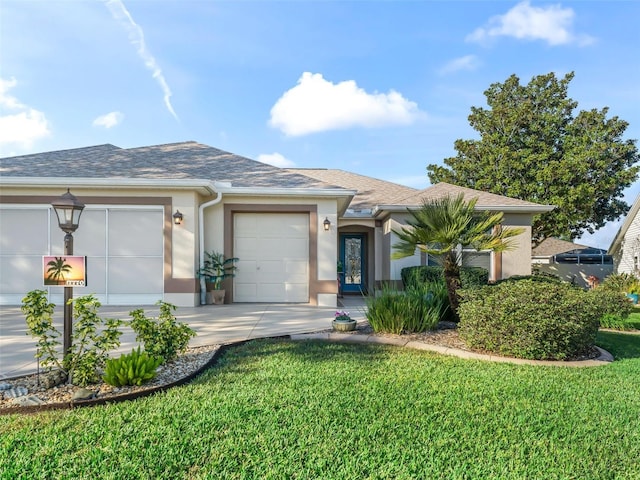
{"type": "Point", "coordinates": [278, 409]}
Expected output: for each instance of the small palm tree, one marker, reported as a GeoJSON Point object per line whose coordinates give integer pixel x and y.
{"type": "Point", "coordinates": [57, 269]}
{"type": "Point", "coordinates": [440, 227]}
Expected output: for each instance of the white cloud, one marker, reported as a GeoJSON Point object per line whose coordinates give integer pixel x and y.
{"type": "Point", "coordinates": [551, 24]}
{"type": "Point", "coordinates": [468, 62]}
{"type": "Point", "coordinates": [22, 125]}
{"type": "Point", "coordinates": [276, 159]}
{"type": "Point", "coordinates": [317, 105]}
{"type": "Point", "coordinates": [136, 37]}
{"type": "Point", "coordinates": [108, 120]}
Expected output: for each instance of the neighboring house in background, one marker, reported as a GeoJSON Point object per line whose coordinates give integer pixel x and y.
{"type": "Point", "coordinates": [571, 261]}
{"type": "Point", "coordinates": [625, 247]}
{"type": "Point", "coordinates": [288, 227]}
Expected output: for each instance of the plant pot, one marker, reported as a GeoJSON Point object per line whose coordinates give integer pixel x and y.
{"type": "Point", "coordinates": [633, 297]}
{"type": "Point", "coordinates": [344, 325]}
{"type": "Point", "coordinates": [216, 296]}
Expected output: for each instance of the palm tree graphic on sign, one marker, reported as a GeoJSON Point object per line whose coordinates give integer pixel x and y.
{"type": "Point", "coordinates": [57, 268]}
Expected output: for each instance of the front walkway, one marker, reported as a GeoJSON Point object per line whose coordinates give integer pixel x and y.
{"type": "Point", "coordinates": [214, 324]}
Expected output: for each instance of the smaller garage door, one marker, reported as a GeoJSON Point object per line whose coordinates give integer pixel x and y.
{"type": "Point", "coordinates": [273, 253]}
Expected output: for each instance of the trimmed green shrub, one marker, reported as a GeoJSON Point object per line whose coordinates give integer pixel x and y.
{"type": "Point", "coordinates": [530, 319]}
{"type": "Point", "coordinates": [470, 277]}
{"type": "Point", "coordinates": [542, 277]}
{"type": "Point", "coordinates": [611, 302]}
{"type": "Point", "coordinates": [134, 368]}
{"type": "Point", "coordinates": [417, 309]}
{"type": "Point", "coordinates": [163, 337]}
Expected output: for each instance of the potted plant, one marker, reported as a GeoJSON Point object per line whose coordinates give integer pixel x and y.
{"type": "Point", "coordinates": [214, 270]}
{"type": "Point", "coordinates": [343, 322]}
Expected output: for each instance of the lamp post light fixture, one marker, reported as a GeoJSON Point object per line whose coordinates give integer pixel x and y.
{"type": "Point", "coordinates": [68, 210]}
{"type": "Point", "coordinates": [326, 224]}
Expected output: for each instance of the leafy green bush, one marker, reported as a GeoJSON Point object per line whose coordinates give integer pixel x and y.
{"type": "Point", "coordinates": [542, 277]}
{"type": "Point", "coordinates": [134, 368]}
{"type": "Point", "coordinates": [530, 319]}
{"type": "Point", "coordinates": [417, 309]}
{"type": "Point", "coordinates": [91, 338]}
{"type": "Point", "coordinates": [619, 282]}
{"type": "Point", "coordinates": [163, 337]}
{"type": "Point", "coordinates": [611, 302]}
{"type": "Point", "coordinates": [470, 277]}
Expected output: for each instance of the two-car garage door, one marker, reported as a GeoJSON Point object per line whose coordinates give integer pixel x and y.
{"type": "Point", "coordinates": [124, 248]}
{"type": "Point", "coordinates": [273, 253]}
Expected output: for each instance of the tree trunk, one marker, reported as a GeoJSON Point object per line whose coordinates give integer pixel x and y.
{"type": "Point", "coordinates": [451, 272]}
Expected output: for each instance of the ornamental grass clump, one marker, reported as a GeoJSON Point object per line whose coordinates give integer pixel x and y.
{"type": "Point", "coordinates": [529, 319]}
{"type": "Point", "coordinates": [417, 309]}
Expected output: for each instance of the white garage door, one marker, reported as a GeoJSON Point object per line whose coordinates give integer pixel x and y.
{"type": "Point", "coordinates": [273, 253]}
{"type": "Point", "coordinates": [123, 246]}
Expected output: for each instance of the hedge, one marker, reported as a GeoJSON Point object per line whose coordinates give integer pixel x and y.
{"type": "Point", "coordinates": [531, 319]}
{"type": "Point", "coordinates": [471, 277]}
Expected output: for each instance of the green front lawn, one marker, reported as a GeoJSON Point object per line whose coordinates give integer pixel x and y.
{"type": "Point", "coordinates": [279, 409]}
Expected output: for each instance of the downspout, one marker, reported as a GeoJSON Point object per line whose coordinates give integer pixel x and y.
{"type": "Point", "coordinates": [203, 286]}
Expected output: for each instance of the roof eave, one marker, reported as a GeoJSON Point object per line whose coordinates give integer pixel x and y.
{"type": "Point", "coordinates": [531, 209]}
{"type": "Point", "coordinates": [206, 187]}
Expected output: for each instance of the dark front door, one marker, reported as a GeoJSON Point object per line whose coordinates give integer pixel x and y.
{"type": "Point", "coordinates": [352, 256]}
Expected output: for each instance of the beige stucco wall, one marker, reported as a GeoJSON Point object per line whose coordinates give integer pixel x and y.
{"type": "Point", "coordinates": [518, 260]}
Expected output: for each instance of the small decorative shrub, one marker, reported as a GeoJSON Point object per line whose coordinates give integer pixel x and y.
{"type": "Point", "coordinates": [530, 319]}
{"type": "Point", "coordinates": [470, 277]}
{"type": "Point", "coordinates": [619, 282]}
{"type": "Point", "coordinates": [417, 309]}
{"type": "Point", "coordinates": [91, 338]}
{"type": "Point", "coordinates": [163, 337]}
{"type": "Point", "coordinates": [611, 302]}
{"type": "Point", "coordinates": [134, 368]}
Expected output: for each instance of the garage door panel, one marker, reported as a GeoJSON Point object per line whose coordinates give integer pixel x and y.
{"type": "Point", "coordinates": [296, 293]}
{"type": "Point", "coordinates": [33, 235]}
{"type": "Point", "coordinates": [140, 275]}
{"type": "Point", "coordinates": [279, 244]}
{"type": "Point", "coordinates": [97, 275]}
{"type": "Point", "coordinates": [129, 232]}
{"type": "Point", "coordinates": [90, 238]}
{"type": "Point", "coordinates": [20, 274]}
{"type": "Point", "coordinates": [299, 246]}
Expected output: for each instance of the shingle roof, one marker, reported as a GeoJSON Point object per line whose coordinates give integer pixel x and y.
{"type": "Point", "coordinates": [186, 160]}
{"type": "Point", "coordinates": [371, 191]}
{"type": "Point", "coordinates": [554, 246]}
{"type": "Point", "coordinates": [443, 189]}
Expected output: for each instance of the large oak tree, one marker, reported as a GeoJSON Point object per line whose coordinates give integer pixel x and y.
{"type": "Point", "coordinates": [534, 147]}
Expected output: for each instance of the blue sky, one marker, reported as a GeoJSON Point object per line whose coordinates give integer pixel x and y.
{"type": "Point", "coordinates": [379, 88]}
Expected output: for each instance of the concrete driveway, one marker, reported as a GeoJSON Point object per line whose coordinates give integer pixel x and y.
{"type": "Point", "coordinates": [214, 324]}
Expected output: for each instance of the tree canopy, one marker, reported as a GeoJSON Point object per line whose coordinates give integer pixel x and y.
{"type": "Point", "coordinates": [532, 147]}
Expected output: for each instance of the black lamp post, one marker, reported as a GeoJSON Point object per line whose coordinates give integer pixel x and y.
{"type": "Point", "coordinates": [68, 210]}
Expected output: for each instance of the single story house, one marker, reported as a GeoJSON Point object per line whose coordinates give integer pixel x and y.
{"type": "Point", "coordinates": [288, 227]}
{"type": "Point", "coordinates": [625, 246]}
{"type": "Point", "coordinates": [580, 264]}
